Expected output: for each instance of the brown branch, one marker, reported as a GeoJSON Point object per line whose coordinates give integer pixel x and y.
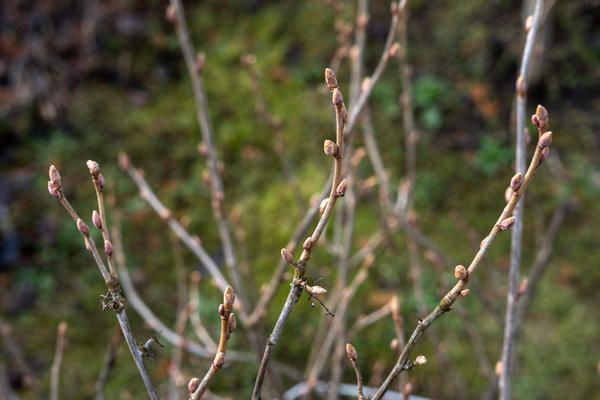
{"type": "Point", "coordinates": [517, 232]}
{"type": "Point", "coordinates": [353, 357]}
{"type": "Point", "coordinates": [194, 67]}
{"type": "Point", "coordinates": [338, 189]}
{"type": "Point", "coordinates": [113, 299]}
{"type": "Point", "coordinates": [58, 355]}
{"type": "Point", "coordinates": [463, 275]}
{"type": "Point", "coordinates": [228, 324]}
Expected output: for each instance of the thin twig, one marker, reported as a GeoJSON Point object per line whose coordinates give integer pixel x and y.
{"type": "Point", "coordinates": [517, 232]}
{"type": "Point", "coordinates": [353, 357]}
{"type": "Point", "coordinates": [338, 189]}
{"type": "Point", "coordinates": [463, 275]}
{"type": "Point", "coordinates": [228, 324]}
{"type": "Point", "coordinates": [58, 355]}
{"type": "Point", "coordinates": [194, 67]}
{"type": "Point", "coordinates": [30, 378]}
{"type": "Point", "coordinates": [109, 362]}
{"type": "Point", "coordinates": [113, 300]}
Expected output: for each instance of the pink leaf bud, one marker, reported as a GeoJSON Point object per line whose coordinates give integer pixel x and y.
{"type": "Point", "coordinates": [545, 153]}
{"type": "Point", "coordinates": [193, 384]}
{"type": "Point", "coordinates": [507, 223]}
{"type": "Point", "coordinates": [287, 256]}
{"type": "Point", "coordinates": [101, 180]}
{"type": "Point", "coordinates": [52, 189]}
{"type": "Point", "coordinates": [523, 287]}
{"type": "Point", "coordinates": [108, 248]}
{"type": "Point", "coordinates": [464, 292]}
{"type": "Point", "coordinates": [315, 290]}
{"type": "Point", "coordinates": [336, 97]}
{"type": "Point", "coordinates": [395, 344]}
{"type": "Point", "coordinates": [219, 359]}
{"type": "Point", "coordinates": [515, 182]}
{"type": "Point", "coordinates": [232, 323]}
{"type": "Point", "coordinates": [330, 79]}
{"type": "Point", "coordinates": [460, 272]}
{"type": "Point", "coordinates": [545, 140]}
{"type": "Point", "coordinates": [307, 243]}
{"type": "Point", "coordinates": [54, 176]}
{"type": "Point", "coordinates": [93, 167]}
{"type": "Point", "coordinates": [82, 227]}
{"type": "Point", "coordinates": [323, 205]}
{"type": "Point", "coordinates": [542, 116]}
{"type": "Point", "coordinates": [421, 360]}
{"type": "Point", "coordinates": [96, 219]}
{"type": "Point", "coordinates": [535, 121]}
{"type": "Point", "coordinates": [330, 148]}
{"type": "Point", "coordinates": [221, 310]}
{"type": "Point", "coordinates": [340, 191]}
{"type": "Point", "coordinates": [228, 297]}
{"type": "Point", "coordinates": [351, 352]}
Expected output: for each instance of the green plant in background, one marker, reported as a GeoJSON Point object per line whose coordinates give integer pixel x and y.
{"type": "Point", "coordinates": [492, 155]}
{"type": "Point", "coordinates": [429, 96]}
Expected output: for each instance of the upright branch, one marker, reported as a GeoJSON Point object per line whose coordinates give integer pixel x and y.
{"type": "Point", "coordinates": [228, 324]}
{"type": "Point", "coordinates": [353, 357]}
{"type": "Point", "coordinates": [113, 299]}
{"type": "Point", "coordinates": [58, 354]}
{"type": "Point", "coordinates": [463, 275]}
{"type": "Point", "coordinates": [194, 63]}
{"type": "Point", "coordinates": [338, 189]}
{"type": "Point", "coordinates": [517, 233]}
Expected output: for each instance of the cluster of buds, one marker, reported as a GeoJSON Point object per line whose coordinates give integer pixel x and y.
{"type": "Point", "coordinates": [54, 184]}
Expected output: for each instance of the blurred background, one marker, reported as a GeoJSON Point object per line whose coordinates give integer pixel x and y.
{"type": "Point", "coordinates": [85, 80]}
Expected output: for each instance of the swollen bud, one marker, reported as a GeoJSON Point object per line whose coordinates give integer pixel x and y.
{"type": "Point", "coordinates": [420, 360]}
{"type": "Point", "coordinates": [535, 121]}
{"type": "Point", "coordinates": [193, 384]}
{"type": "Point", "coordinates": [54, 176]}
{"type": "Point", "coordinates": [460, 272]}
{"type": "Point", "coordinates": [545, 153]}
{"type": "Point", "coordinates": [330, 148]}
{"type": "Point", "coordinates": [307, 243]}
{"type": "Point", "coordinates": [52, 189]}
{"type": "Point", "coordinates": [82, 227]}
{"type": "Point", "coordinates": [232, 323]}
{"type": "Point", "coordinates": [542, 116]}
{"type": "Point", "coordinates": [351, 352]}
{"type": "Point", "coordinates": [507, 223]}
{"type": "Point", "coordinates": [340, 191]}
{"type": "Point", "coordinates": [323, 205]}
{"type": "Point", "coordinates": [108, 248]}
{"type": "Point", "coordinates": [515, 182]}
{"type": "Point", "coordinates": [287, 256]}
{"type": "Point", "coordinates": [219, 359]}
{"type": "Point", "coordinates": [93, 167]}
{"type": "Point", "coordinates": [464, 292]}
{"type": "Point", "coordinates": [545, 140]}
{"type": "Point", "coordinates": [393, 51]}
{"type": "Point", "coordinates": [330, 79]}
{"type": "Point", "coordinates": [315, 290]}
{"type": "Point", "coordinates": [337, 97]}
{"type": "Point", "coordinates": [228, 297]}
{"type": "Point", "coordinates": [508, 193]}
{"type": "Point", "coordinates": [101, 180]}
{"type": "Point", "coordinates": [528, 23]}
{"type": "Point", "coordinates": [96, 219]}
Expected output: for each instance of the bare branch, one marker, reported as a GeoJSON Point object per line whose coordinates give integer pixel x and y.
{"type": "Point", "coordinates": [58, 354]}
